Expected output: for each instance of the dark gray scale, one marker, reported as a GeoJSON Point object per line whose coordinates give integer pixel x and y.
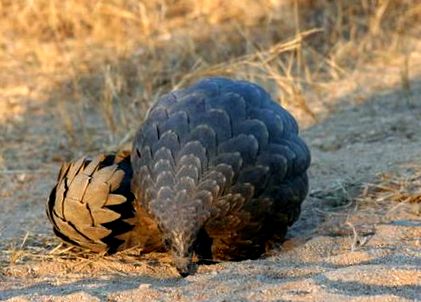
{"type": "Point", "coordinates": [176, 122]}
{"type": "Point", "coordinates": [272, 121]}
{"type": "Point", "coordinates": [246, 145]}
{"type": "Point", "coordinates": [222, 170]}
{"type": "Point", "coordinates": [216, 119]}
{"type": "Point", "coordinates": [233, 104]}
{"type": "Point", "coordinates": [192, 104]}
{"type": "Point", "coordinates": [167, 140]}
{"type": "Point", "coordinates": [254, 127]}
{"type": "Point", "coordinates": [206, 136]}
{"type": "Point", "coordinates": [301, 152]}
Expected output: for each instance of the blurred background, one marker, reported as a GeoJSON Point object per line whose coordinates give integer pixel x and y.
{"type": "Point", "coordinates": [98, 65]}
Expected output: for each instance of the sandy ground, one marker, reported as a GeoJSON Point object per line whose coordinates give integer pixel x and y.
{"type": "Point", "coordinates": [358, 239]}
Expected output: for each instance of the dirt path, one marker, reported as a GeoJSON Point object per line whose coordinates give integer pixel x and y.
{"type": "Point", "coordinates": [354, 241]}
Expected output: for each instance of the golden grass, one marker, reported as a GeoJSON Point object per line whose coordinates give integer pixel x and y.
{"type": "Point", "coordinates": [401, 188]}
{"type": "Point", "coordinates": [115, 57]}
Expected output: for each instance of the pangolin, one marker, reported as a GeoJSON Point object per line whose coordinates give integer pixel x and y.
{"type": "Point", "coordinates": [217, 171]}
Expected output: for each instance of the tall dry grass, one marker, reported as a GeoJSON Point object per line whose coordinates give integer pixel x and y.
{"type": "Point", "coordinates": [101, 63]}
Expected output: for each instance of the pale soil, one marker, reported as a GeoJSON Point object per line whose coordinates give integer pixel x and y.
{"type": "Point", "coordinates": [369, 132]}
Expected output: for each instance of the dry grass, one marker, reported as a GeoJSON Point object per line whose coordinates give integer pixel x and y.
{"type": "Point", "coordinates": [99, 64]}
{"type": "Point", "coordinates": [16, 260]}
{"type": "Point", "coordinates": [403, 188]}
{"type": "Point", "coordinates": [116, 57]}
{"type": "Point", "coordinates": [354, 210]}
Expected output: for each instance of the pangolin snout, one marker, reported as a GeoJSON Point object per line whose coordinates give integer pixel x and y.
{"type": "Point", "coordinates": [184, 265]}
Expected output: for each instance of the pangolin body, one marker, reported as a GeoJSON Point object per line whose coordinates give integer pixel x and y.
{"type": "Point", "coordinates": [218, 172]}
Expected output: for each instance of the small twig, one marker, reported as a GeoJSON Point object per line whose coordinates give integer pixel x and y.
{"type": "Point", "coordinates": [53, 251]}
{"type": "Point", "coordinates": [24, 240]}
{"type": "Point", "coordinates": [394, 208]}
{"type": "Point", "coordinates": [356, 239]}
{"type": "Point", "coordinates": [334, 213]}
